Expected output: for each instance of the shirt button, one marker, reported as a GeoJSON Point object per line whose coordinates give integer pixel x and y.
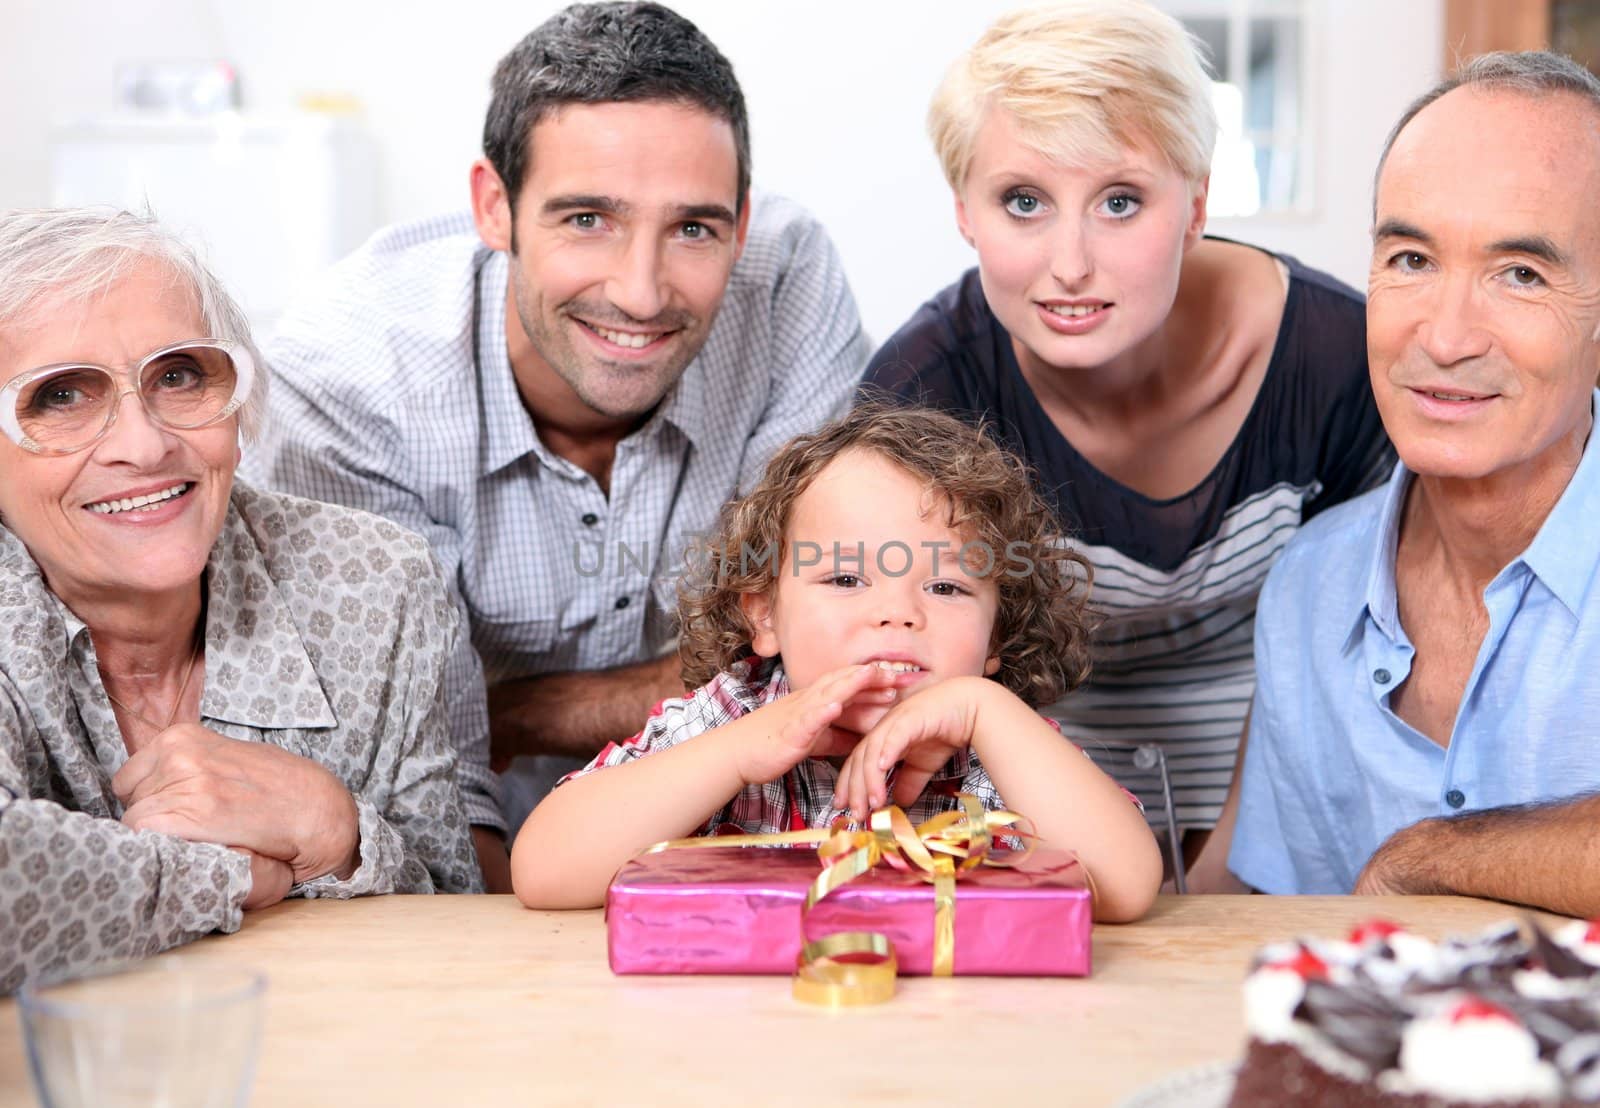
{"type": "Point", "coordinates": [623, 602]}
{"type": "Point", "coordinates": [589, 519]}
{"type": "Point", "coordinates": [1455, 798]}
{"type": "Point", "coordinates": [1381, 676]}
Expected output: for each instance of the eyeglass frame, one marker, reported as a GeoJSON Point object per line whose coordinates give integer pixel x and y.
{"type": "Point", "coordinates": [244, 367]}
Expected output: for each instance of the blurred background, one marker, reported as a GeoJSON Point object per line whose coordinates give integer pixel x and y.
{"type": "Point", "coordinates": [279, 135]}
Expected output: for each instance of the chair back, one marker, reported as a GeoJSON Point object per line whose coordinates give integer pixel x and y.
{"type": "Point", "coordinates": [1141, 768]}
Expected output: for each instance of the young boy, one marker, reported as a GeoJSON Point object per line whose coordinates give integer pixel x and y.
{"type": "Point", "coordinates": [873, 623]}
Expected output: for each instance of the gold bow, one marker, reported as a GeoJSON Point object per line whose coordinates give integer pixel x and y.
{"type": "Point", "coordinates": [851, 968]}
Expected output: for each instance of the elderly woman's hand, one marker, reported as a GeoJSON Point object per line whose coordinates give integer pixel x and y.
{"type": "Point", "coordinates": [270, 880]}
{"type": "Point", "coordinates": [196, 784]}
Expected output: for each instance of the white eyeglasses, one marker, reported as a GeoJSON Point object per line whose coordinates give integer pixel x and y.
{"type": "Point", "coordinates": [65, 408]}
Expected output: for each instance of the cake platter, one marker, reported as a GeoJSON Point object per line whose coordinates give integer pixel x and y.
{"type": "Point", "coordinates": [1208, 1086]}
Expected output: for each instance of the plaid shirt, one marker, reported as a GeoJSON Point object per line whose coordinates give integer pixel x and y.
{"type": "Point", "coordinates": [799, 799]}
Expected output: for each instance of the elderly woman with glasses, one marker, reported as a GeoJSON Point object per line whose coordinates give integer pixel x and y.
{"type": "Point", "coordinates": [210, 697]}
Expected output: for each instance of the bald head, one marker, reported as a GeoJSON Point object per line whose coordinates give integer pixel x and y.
{"type": "Point", "coordinates": [1539, 152]}
{"type": "Point", "coordinates": [1483, 301]}
{"type": "Point", "coordinates": [1534, 73]}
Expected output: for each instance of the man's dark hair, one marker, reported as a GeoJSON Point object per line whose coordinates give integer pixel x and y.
{"type": "Point", "coordinates": [602, 54]}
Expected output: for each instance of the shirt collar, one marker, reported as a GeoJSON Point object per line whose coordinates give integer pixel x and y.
{"type": "Point", "coordinates": [1566, 551]}
{"type": "Point", "coordinates": [1561, 555]}
{"type": "Point", "coordinates": [244, 609]}
{"type": "Point", "coordinates": [14, 556]}
{"type": "Point", "coordinates": [21, 581]}
{"type": "Point", "coordinates": [755, 682]}
{"type": "Point", "coordinates": [1381, 599]}
{"type": "Point", "coordinates": [684, 407]}
{"type": "Point", "coordinates": [509, 432]}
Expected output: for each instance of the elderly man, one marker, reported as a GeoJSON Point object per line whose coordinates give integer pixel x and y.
{"type": "Point", "coordinates": [1428, 656]}
{"type": "Point", "coordinates": [559, 391]}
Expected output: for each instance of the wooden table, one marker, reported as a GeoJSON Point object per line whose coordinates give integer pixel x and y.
{"type": "Point", "coordinates": [475, 1001]}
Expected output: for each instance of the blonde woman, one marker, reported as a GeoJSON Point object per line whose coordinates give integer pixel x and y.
{"type": "Point", "coordinates": [1185, 402]}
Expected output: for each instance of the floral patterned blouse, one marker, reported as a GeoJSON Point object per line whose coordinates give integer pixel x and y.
{"type": "Point", "coordinates": [327, 631]}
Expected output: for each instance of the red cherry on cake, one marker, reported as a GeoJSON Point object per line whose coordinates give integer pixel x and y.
{"type": "Point", "coordinates": [1305, 964]}
{"type": "Point", "coordinates": [1473, 1008]}
{"type": "Point", "coordinates": [1592, 933]}
{"type": "Point", "coordinates": [1373, 929]}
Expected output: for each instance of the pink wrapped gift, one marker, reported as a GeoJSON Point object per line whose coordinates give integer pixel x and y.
{"type": "Point", "coordinates": [737, 910]}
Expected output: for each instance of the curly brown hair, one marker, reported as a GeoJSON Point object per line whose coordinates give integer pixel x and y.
{"type": "Point", "coordinates": [1042, 626]}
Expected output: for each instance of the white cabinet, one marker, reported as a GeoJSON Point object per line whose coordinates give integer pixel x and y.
{"type": "Point", "coordinates": [270, 200]}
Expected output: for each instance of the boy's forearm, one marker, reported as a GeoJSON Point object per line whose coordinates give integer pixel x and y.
{"type": "Point", "coordinates": [580, 834]}
{"type": "Point", "coordinates": [1072, 804]}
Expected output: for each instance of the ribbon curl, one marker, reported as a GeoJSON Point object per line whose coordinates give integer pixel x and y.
{"type": "Point", "coordinates": [851, 968]}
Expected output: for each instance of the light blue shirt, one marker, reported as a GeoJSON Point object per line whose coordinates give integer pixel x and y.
{"type": "Point", "coordinates": [1331, 771]}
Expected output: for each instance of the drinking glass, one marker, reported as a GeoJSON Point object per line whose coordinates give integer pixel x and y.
{"type": "Point", "coordinates": [165, 1033]}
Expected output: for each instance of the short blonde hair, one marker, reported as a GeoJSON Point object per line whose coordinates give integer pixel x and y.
{"type": "Point", "coordinates": [1082, 79]}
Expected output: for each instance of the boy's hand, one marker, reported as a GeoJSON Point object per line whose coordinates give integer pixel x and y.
{"type": "Point", "coordinates": [800, 725]}
{"type": "Point", "coordinates": [920, 735]}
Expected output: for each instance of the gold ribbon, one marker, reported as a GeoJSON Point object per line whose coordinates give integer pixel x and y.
{"type": "Point", "coordinates": [850, 968]}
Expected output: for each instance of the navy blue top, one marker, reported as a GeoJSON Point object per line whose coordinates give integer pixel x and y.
{"type": "Point", "coordinates": [1314, 419]}
{"type": "Point", "coordinates": [1175, 579]}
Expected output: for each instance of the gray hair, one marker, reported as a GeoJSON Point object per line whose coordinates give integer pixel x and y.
{"type": "Point", "coordinates": [79, 253]}
{"type": "Point", "coordinates": [1530, 72]}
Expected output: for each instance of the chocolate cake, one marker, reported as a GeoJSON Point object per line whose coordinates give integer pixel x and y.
{"type": "Point", "coordinates": [1388, 1019]}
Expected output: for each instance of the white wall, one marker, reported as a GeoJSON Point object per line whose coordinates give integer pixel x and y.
{"type": "Point", "coordinates": [837, 91]}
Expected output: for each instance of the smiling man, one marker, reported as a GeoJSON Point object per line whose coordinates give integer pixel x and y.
{"type": "Point", "coordinates": [1428, 656]}
{"type": "Point", "coordinates": [559, 392]}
